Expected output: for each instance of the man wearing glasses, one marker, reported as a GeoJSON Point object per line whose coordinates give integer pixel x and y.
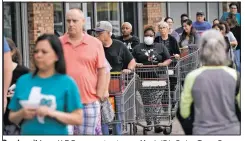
{"type": "Point", "coordinates": [233, 10]}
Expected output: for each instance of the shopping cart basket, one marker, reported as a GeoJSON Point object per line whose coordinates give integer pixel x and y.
{"type": "Point", "coordinates": [189, 62]}
{"type": "Point", "coordinates": [154, 88]}
{"type": "Point", "coordinates": [122, 98]}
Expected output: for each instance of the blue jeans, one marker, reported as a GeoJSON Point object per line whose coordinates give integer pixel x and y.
{"type": "Point", "coordinates": [117, 127]}
{"type": "Point", "coordinates": [238, 60]}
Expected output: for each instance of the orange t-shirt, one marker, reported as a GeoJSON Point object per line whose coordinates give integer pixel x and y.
{"type": "Point", "coordinates": [82, 63]}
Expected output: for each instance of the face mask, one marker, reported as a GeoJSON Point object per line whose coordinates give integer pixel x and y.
{"type": "Point", "coordinates": [148, 40]}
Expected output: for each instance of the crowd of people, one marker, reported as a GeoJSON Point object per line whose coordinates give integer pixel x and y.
{"type": "Point", "coordinates": [71, 77]}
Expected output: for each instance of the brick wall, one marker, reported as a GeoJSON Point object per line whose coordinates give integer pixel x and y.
{"type": "Point", "coordinates": [152, 13]}
{"type": "Point", "coordinates": [40, 20]}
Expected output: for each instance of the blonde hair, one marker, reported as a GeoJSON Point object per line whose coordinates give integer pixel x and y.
{"type": "Point", "coordinates": [163, 24]}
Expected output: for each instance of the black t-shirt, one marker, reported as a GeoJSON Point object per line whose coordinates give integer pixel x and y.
{"type": "Point", "coordinates": [150, 55]}
{"type": "Point", "coordinates": [237, 33]}
{"type": "Point", "coordinates": [118, 56]}
{"type": "Point", "coordinates": [130, 43]}
{"type": "Point", "coordinates": [171, 44]}
{"type": "Point", "coordinates": [18, 71]}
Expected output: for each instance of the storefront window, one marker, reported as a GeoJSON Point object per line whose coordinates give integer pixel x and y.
{"type": "Point", "coordinates": [75, 5]}
{"type": "Point", "coordinates": [130, 15]}
{"type": "Point", "coordinates": [59, 19]}
{"type": "Point", "coordinates": [109, 11]}
{"type": "Point", "coordinates": [9, 20]}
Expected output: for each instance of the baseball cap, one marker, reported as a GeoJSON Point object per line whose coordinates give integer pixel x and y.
{"type": "Point", "coordinates": [103, 26]}
{"type": "Point", "coordinates": [200, 13]}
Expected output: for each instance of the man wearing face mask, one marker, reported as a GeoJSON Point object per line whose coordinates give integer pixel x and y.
{"type": "Point", "coordinates": [129, 40]}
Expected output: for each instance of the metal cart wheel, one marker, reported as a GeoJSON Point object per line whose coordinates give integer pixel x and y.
{"type": "Point", "coordinates": [144, 131]}
{"type": "Point", "coordinates": [167, 130]}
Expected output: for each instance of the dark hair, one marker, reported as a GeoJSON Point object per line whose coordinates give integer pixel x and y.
{"type": "Point", "coordinates": [60, 66]}
{"type": "Point", "coordinates": [184, 34]}
{"type": "Point", "coordinates": [183, 15]}
{"type": "Point", "coordinates": [165, 20]}
{"type": "Point", "coordinates": [16, 57]}
{"type": "Point", "coordinates": [231, 20]}
{"type": "Point", "coordinates": [215, 20]}
{"type": "Point", "coordinates": [149, 27]}
{"type": "Point", "coordinates": [233, 3]}
{"type": "Point", "coordinates": [227, 28]}
{"type": "Point", "coordinates": [219, 26]}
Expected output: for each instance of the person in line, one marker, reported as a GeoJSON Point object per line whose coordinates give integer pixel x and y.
{"type": "Point", "coordinates": [7, 71]}
{"type": "Point", "coordinates": [236, 30]}
{"type": "Point", "coordinates": [150, 53]}
{"type": "Point", "coordinates": [47, 92]}
{"type": "Point", "coordinates": [172, 32]}
{"type": "Point", "coordinates": [129, 40]}
{"type": "Point", "coordinates": [229, 49]}
{"type": "Point", "coordinates": [120, 59]}
{"type": "Point", "coordinates": [18, 70]}
{"type": "Point", "coordinates": [233, 10]}
{"type": "Point", "coordinates": [85, 59]}
{"type": "Point", "coordinates": [200, 24]}
{"type": "Point", "coordinates": [167, 40]}
{"type": "Point", "coordinates": [189, 35]}
{"type": "Point", "coordinates": [182, 18]}
{"type": "Point", "coordinates": [229, 34]}
{"type": "Point", "coordinates": [212, 106]}
{"type": "Point", "coordinates": [215, 21]}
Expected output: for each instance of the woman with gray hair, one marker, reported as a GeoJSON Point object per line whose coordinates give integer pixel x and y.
{"type": "Point", "coordinates": [211, 94]}
{"type": "Point", "coordinates": [167, 40]}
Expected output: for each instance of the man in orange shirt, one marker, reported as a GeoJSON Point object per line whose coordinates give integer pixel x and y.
{"type": "Point", "coordinates": [85, 63]}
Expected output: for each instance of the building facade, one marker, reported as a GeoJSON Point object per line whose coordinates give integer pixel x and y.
{"type": "Point", "coordinates": [24, 22]}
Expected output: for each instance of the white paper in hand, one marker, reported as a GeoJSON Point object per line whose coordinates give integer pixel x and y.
{"type": "Point", "coordinates": [35, 101]}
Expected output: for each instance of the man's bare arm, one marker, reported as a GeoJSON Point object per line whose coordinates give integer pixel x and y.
{"type": "Point", "coordinates": [132, 64]}
{"type": "Point", "coordinates": [101, 83]}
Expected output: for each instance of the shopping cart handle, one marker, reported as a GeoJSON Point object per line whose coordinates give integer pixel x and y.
{"type": "Point", "coordinates": [148, 66]}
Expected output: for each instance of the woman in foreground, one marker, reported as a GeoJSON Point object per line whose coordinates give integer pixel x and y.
{"type": "Point", "coordinates": [48, 100]}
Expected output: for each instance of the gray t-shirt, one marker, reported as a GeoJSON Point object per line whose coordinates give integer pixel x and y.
{"type": "Point", "coordinates": [185, 43]}
{"type": "Point", "coordinates": [231, 37]}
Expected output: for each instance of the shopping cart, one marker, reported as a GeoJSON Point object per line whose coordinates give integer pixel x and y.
{"type": "Point", "coordinates": [189, 62]}
{"type": "Point", "coordinates": [174, 74]}
{"type": "Point", "coordinates": [186, 50]}
{"type": "Point", "coordinates": [154, 88]}
{"type": "Point", "coordinates": [122, 98]}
